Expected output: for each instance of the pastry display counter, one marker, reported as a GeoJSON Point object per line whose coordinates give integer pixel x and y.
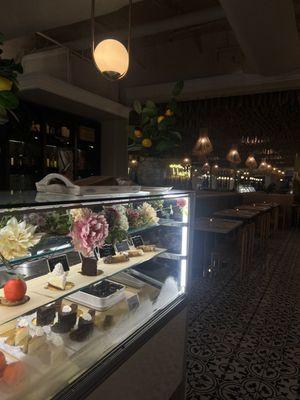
{"type": "Point", "coordinates": [86, 282]}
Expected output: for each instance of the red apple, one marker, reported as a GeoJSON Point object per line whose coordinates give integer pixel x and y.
{"type": "Point", "coordinates": [15, 289]}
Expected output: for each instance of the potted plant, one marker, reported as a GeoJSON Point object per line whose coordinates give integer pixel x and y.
{"type": "Point", "coordinates": [153, 133]}
{"type": "Point", "coordinates": [9, 100]}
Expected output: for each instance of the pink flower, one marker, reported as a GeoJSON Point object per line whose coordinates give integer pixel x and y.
{"type": "Point", "coordinates": [181, 202]}
{"type": "Point", "coordinates": [88, 232]}
{"type": "Point", "coordinates": [134, 218]}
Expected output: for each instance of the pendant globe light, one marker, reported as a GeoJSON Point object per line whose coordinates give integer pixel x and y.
{"type": "Point", "coordinates": [110, 56]}
{"type": "Point", "coordinates": [233, 156]}
{"type": "Point", "coordinates": [203, 145]}
{"type": "Point", "coordinates": [251, 162]}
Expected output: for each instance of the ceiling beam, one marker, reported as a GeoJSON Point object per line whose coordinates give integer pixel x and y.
{"type": "Point", "coordinates": [216, 86]}
{"type": "Point", "coordinates": [153, 28]}
{"type": "Point", "coordinates": [267, 33]}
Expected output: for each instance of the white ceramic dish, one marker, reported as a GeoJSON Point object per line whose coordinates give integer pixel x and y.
{"type": "Point", "coordinates": [98, 303]}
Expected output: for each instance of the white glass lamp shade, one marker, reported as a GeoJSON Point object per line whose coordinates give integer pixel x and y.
{"type": "Point", "coordinates": [112, 59]}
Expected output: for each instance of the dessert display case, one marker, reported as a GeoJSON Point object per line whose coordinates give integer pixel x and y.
{"type": "Point", "coordinates": [85, 283]}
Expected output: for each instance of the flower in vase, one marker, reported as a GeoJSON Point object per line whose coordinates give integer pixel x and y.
{"type": "Point", "coordinates": [78, 213]}
{"type": "Point", "coordinates": [122, 222]}
{"type": "Point", "coordinates": [89, 232]}
{"type": "Point", "coordinates": [135, 219]}
{"type": "Point", "coordinates": [148, 214]}
{"type": "Point", "coordinates": [36, 219]}
{"type": "Point", "coordinates": [181, 203]}
{"type": "Point", "coordinates": [16, 238]}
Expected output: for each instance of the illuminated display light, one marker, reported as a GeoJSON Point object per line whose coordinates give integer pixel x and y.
{"type": "Point", "coordinates": [180, 171]}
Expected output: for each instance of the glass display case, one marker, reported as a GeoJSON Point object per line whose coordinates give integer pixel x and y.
{"type": "Point", "coordinates": [84, 280]}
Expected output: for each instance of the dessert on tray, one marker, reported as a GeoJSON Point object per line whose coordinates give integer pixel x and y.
{"type": "Point", "coordinates": [100, 296]}
{"type": "Point", "coordinates": [3, 363]}
{"type": "Point", "coordinates": [135, 252]}
{"type": "Point", "coordinates": [89, 266]}
{"type": "Point", "coordinates": [67, 317]}
{"type": "Point", "coordinates": [58, 277]}
{"type": "Point", "coordinates": [22, 332]}
{"type": "Point", "coordinates": [46, 314]}
{"type": "Point", "coordinates": [147, 247]}
{"type": "Point", "coordinates": [116, 259]}
{"type": "Point", "coordinates": [85, 327]}
{"type": "Point", "coordinates": [14, 292]}
{"type": "Point", "coordinates": [36, 340]}
{"type": "Point", "coordinates": [14, 373]}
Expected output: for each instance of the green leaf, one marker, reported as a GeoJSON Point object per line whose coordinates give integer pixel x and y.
{"type": "Point", "coordinates": [150, 112]}
{"type": "Point", "coordinates": [150, 104]}
{"type": "Point", "coordinates": [145, 119]}
{"type": "Point", "coordinates": [177, 88]}
{"type": "Point", "coordinates": [3, 116]}
{"type": "Point", "coordinates": [8, 100]}
{"type": "Point", "coordinates": [137, 106]}
{"type": "Point", "coordinates": [130, 130]}
{"type": "Point", "coordinates": [164, 145]}
{"type": "Point", "coordinates": [176, 134]}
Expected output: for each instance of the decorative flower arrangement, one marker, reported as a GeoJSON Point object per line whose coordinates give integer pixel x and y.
{"type": "Point", "coordinates": [36, 219]}
{"type": "Point", "coordinates": [77, 213]}
{"type": "Point", "coordinates": [181, 202]}
{"type": "Point", "coordinates": [16, 238]}
{"type": "Point", "coordinates": [141, 216]}
{"type": "Point", "coordinates": [153, 130]}
{"type": "Point", "coordinates": [148, 214]}
{"type": "Point", "coordinates": [118, 223]}
{"type": "Point", "coordinates": [89, 232]}
{"type": "Point", "coordinates": [51, 223]}
{"type": "Point", "coordinates": [8, 86]}
{"type": "Point", "coordinates": [134, 218]}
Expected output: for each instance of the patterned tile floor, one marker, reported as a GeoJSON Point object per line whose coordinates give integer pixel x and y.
{"type": "Point", "coordinates": [244, 334]}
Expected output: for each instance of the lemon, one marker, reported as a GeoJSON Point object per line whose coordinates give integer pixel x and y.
{"type": "Point", "coordinates": [138, 133]}
{"type": "Point", "coordinates": [169, 113]}
{"type": "Point", "coordinates": [5, 84]}
{"type": "Point", "coordinates": [147, 143]}
{"type": "Point", "coordinates": [160, 118]}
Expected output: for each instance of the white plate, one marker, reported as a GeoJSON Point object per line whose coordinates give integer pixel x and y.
{"type": "Point", "coordinates": [157, 189]}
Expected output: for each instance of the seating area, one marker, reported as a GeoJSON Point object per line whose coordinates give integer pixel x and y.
{"type": "Point", "coordinates": [231, 237]}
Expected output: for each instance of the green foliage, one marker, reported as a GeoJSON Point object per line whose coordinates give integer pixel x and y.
{"type": "Point", "coordinates": [58, 223]}
{"type": "Point", "coordinates": [157, 124]}
{"type": "Point", "coordinates": [9, 100]}
{"type": "Point", "coordinates": [116, 235]}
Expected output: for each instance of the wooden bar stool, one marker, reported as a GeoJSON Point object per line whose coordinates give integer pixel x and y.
{"type": "Point", "coordinates": [246, 242]}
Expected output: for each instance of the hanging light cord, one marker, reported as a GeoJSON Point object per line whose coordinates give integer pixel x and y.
{"type": "Point", "coordinates": [93, 25]}
{"type": "Point", "coordinates": [129, 26]}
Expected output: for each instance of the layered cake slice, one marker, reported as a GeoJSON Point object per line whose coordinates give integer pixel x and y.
{"type": "Point", "coordinates": [46, 314]}
{"type": "Point", "coordinates": [58, 277]}
{"type": "Point", "coordinates": [67, 317]}
{"type": "Point", "coordinates": [85, 327]}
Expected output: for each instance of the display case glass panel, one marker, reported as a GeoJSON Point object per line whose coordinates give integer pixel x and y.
{"type": "Point", "coordinates": [96, 272]}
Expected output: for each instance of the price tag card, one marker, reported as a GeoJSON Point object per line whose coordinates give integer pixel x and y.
{"type": "Point", "coordinates": [58, 260]}
{"type": "Point", "coordinates": [122, 246]}
{"type": "Point", "coordinates": [137, 241]}
{"type": "Point", "coordinates": [133, 302]}
{"type": "Point", "coordinates": [107, 250]}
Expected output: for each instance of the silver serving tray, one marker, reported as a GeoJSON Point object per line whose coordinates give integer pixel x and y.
{"type": "Point", "coordinates": [65, 186]}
